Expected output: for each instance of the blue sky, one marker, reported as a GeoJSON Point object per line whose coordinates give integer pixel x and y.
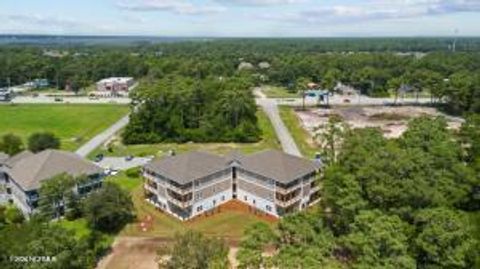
{"type": "Point", "coordinates": [256, 18]}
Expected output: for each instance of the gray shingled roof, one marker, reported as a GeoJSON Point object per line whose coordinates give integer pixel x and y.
{"type": "Point", "coordinates": [185, 168]}
{"type": "Point", "coordinates": [278, 165]}
{"type": "Point", "coordinates": [273, 164]}
{"type": "Point", "coordinates": [17, 157]}
{"type": "Point", "coordinates": [3, 158]}
{"type": "Point", "coordinates": [31, 170]}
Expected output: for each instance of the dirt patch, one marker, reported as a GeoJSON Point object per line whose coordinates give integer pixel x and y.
{"type": "Point", "coordinates": [391, 120]}
{"type": "Point", "coordinates": [133, 253]}
{"type": "Point", "coordinates": [235, 206]}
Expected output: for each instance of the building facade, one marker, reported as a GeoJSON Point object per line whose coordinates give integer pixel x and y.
{"type": "Point", "coordinates": [115, 85]}
{"type": "Point", "coordinates": [190, 184]}
{"type": "Point", "coordinates": [22, 175]}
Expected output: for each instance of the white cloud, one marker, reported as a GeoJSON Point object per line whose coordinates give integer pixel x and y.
{"type": "Point", "coordinates": [43, 20]}
{"type": "Point", "coordinates": [262, 2]}
{"type": "Point", "coordinates": [176, 6]}
{"type": "Point", "coordinates": [376, 10]}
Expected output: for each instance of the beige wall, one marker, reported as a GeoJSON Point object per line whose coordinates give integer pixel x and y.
{"type": "Point", "coordinates": [213, 189]}
{"type": "Point", "coordinates": [255, 189]}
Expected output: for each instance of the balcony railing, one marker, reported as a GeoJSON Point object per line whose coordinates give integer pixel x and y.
{"type": "Point", "coordinates": [168, 185]}
{"type": "Point", "coordinates": [179, 203]}
{"type": "Point", "coordinates": [149, 188]}
{"type": "Point", "coordinates": [288, 202]}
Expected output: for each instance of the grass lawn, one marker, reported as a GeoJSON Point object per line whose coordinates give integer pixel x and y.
{"type": "Point", "coordinates": [73, 124]}
{"type": "Point", "coordinates": [228, 224]}
{"type": "Point", "coordinates": [300, 135]}
{"type": "Point", "coordinates": [278, 92]}
{"type": "Point", "coordinates": [125, 182]}
{"type": "Point", "coordinates": [78, 226]}
{"type": "Point", "coordinates": [269, 141]}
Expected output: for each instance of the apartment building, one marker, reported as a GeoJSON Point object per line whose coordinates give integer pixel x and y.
{"type": "Point", "coordinates": [22, 175]}
{"type": "Point", "coordinates": [193, 183]}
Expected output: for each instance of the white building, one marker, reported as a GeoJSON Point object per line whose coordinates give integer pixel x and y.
{"type": "Point", "coordinates": [191, 184]}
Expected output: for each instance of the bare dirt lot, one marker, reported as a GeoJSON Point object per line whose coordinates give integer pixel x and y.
{"type": "Point", "coordinates": [391, 120]}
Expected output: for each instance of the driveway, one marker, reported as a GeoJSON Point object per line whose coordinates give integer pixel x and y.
{"type": "Point", "coordinates": [119, 163]}
{"type": "Point", "coordinates": [101, 138]}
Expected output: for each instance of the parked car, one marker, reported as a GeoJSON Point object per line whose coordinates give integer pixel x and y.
{"type": "Point", "coordinates": [99, 158]}
{"type": "Point", "coordinates": [58, 99]}
{"type": "Point", "coordinates": [129, 158]}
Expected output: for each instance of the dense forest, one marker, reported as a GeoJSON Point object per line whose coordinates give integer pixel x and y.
{"type": "Point", "coordinates": [181, 109]}
{"type": "Point", "coordinates": [402, 203]}
{"type": "Point", "coordinates": [203, 86]}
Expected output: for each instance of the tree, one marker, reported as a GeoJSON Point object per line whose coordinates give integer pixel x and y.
{"type": "Point", "coordinates": [41, 141]}
{"type": "Point", "coordinates": [11, 144]}
{"type": "Point", "coordinates": [304, 242]}
{"type": "Point", "coordinates": [329, 81]}
{"type": "Point", "coordinates": [344, 198]}
{"type": "Point", "coordinates": [54, 194]}
{"type": "Point", "coordinates": [379, 241]}
{"type": "Point", "coordinates": [192, 250]}
{"type": "Point", "coordinates": [256, 238]}
{"type": "Point", "coordinates": [43, 239]}
{"type": "Point", "coordinates": [13, 215]}
{"type": "Point", "coordinates": [108, 209]}
{"type": "Point", "coordinates": [331, 138]}
{"type": "Point", "coordinates": [444, 240]}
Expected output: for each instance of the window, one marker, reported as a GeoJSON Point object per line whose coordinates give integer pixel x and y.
{"type": "Point", "coordinates": [200, 208]}
{"type": "Point", "coordinates": [269, 208]}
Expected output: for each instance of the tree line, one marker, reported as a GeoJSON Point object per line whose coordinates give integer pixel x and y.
{"type": "Point", "coordinates": [376, 67]}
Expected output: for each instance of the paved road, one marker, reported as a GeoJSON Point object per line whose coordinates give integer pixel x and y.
{"type": "Point", "coordinates": [69, 100]}
{"type": "Point", "coordinates": [271, 109]}
{"type": "Point", "coordinates": [102, 137]}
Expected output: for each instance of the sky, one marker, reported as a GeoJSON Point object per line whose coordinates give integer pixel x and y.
{"type": "Point", "coordinates": [242, 18]}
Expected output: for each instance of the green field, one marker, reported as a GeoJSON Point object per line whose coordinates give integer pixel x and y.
{"type": "Point", "coordinates": [73, 124]}
{"type": "Point", "coordinates": [269, 141]}
{"type": "Point", "coordinates": [300, 135]}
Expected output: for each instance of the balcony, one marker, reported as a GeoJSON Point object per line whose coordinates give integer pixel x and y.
{"type": "Point", "coordinates": [149, 188]}
{"type": "Point", "coordinates": [287, 190]}
{"type": "Point", "coordinates": [182, 204]}
{"type": "Point", "coordinates": [167, 185]}
{"type": "Point", "coordinates": [287, 203]}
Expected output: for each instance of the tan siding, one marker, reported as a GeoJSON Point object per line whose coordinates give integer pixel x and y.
{"type": "Point", "coordinates": [306, 190]}
{"type": "Point", "coordinates": [162, 191]}
{"type": "Point", "coordinates": [212, 190]}
{"type": "Point", "coordinates": [262, 192]}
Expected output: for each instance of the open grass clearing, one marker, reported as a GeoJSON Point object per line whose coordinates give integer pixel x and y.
{"type": "Point", "coordinates": [278, 92]}
{"type": "Point", "coordinates": [269, 141]}
{"type": "Point", "coordinates": [73, 124]}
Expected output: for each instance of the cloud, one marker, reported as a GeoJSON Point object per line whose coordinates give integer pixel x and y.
{"type": "Point", "coordinates": [177, 6]}
{"type": "Point", "coordinates": [376, 10]}
{"type": "Point", "coordinates": [261, 2]}
{"type": "Point", "coordinates": [36, 19]}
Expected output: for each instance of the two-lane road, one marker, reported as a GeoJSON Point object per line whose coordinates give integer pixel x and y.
{"type": "Point", "coordinates": [271, 109]}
